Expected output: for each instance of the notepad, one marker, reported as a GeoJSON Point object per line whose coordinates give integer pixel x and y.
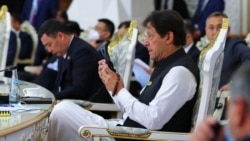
{"type": "Point", "coordinates": [140, 72]}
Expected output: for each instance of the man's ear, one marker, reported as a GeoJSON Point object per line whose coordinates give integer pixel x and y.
{"type": "Point", "coordinates": [169, 37]}
{"type": "Point", "coordinates": [60, 35]}
{"type": "Point", "coordinates": [107, 35]}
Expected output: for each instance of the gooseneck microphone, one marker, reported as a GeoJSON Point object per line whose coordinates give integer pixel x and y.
{"type": "Point", "coordinates": [9, 68]}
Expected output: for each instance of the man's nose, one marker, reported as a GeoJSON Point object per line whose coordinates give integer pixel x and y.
{"type": "Point", "coordinates": [146, 43]}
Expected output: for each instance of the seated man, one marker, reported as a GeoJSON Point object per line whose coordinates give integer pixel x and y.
{"type": "Point", "coordinates": [236, 51]}
{"type": "Point", "coordinates": [102, 33]}
{"type": "Point", "coordinates": [18, 38]}
{"type": "Point", "coordinates": [77, 76]}
{"type": "Point", "coordinates": [238, 113]}
{"type": "Point", "coordinates": [190, 47]}
{"type": "Point", "coordinates": [167, 101]}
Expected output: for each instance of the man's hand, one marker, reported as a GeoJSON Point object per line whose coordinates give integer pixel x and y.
{"type": "Point", "coordinates": [109, 78]}
{"type": "Point", "coordinates": [225, 87]}
{"type": "Point", "coordinates": [204, 131]}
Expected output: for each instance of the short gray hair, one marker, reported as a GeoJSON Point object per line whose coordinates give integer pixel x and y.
{"type": "Point", "coordinates": [240, 84]}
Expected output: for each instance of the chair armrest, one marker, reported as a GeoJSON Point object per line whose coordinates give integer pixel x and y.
{"type": "Point", "coordinates": [109, 107]}
{"type": "Point", "coordinates": [82, 103]}
{"type": "Point", "coordinates": [129, 133]}
{"type": "Point", "coordinates": [31, 69]}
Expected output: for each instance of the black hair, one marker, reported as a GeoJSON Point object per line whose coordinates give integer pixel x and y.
{"type": "Point", "coordinates": [168, 21]}
{"type": "Point", "coordinates": [189, 26]}
{"type": "Point", "coordinates": [16, 17]}
{"type": "Point", "coordinates": [240, 83]}
{"type": "Point", "coordinates": [109, 25]}
{"type": "Point", "coordinates": [64, 15]}
{"type": "Point", "coordinates": [73, 27]}
{"type": "Point", "coordinates": [125, 24]}
{"type": "Point", "coordinates": [51, 27]}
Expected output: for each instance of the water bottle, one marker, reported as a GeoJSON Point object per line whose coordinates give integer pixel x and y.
{"type": "Point", "coordinates": [14, 95]}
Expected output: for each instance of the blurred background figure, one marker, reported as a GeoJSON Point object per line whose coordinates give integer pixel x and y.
{"type": "Point", "coordinates": [19, 40]}
{"type": "Point", "coordinates": [190, 47]}
{"type": "Point", "coordinates": [203, 10]}
{"type": "Point", "coordinates": [179, 6]}
{"type": "Point", "coordinates": [141, 51]}
{"type": "Point", "coordinates": [38, 11]}
{"type": "Point", "coordinates": [102, 33]}
{"type": "Point", "coordinates": [61, 15]}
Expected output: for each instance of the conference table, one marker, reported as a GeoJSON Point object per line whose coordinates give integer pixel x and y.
{"type": "Point", "coordinates": [29, 120]}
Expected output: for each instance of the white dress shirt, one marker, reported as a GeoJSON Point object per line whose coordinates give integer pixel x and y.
{"type": "Point", "coordinates": [178, 87]}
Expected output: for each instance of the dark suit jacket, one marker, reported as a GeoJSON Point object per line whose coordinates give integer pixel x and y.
{"type": "Point", "coordinates": [142, 52]}
{"type": "Point", "coordinates": [194, 53]}
{"type": "Point", "coordinates": [78, 74]}
{"type": "Point", "coordinates": [200, 16]}
{"type": "Point", "coordinates": [25, 50]}
{"type": "Point", "coordinates": [179, 5]}
{"type": "Point", "coordinates": [46, 10]}
{"type": "Point", "coordinates": [47, 78]}
{"type": "Point", "coordinates": [236, 53]}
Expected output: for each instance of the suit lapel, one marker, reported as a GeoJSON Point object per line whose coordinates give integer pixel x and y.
{"type": "Point", "coordinates": [62, 65]}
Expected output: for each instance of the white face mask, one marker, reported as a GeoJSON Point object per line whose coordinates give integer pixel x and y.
{"type": "Point", "coordinates": [93, 35]}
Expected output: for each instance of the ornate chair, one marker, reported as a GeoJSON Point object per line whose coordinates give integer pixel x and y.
{"type": "Point", "coordinates": [5, 27]}
{"type": "Point", "coordinates": [121, 52]}
{"type": "Point", "coordinates": [211, 62]}
{"type": "Point", "coordinates": [28, 28]}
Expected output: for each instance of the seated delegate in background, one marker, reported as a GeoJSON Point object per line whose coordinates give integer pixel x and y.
{"type": "Point", "coordinates": [46, 74]}
{"type": "Point", "coordinates": [77, 76]}
{"type": "Point", "coordinates": [203, 10]}
{"type": "Point", "coordinates": [238, 113]}
{"type": "Point", "coordinates": [167, 102]}
{"type": "Point", "coordinates": [18, 38]}
{"type": "Point", "coordinates": [102, 33]}
{"type": "Point", "coordinates": [190, 47]}
{"type": "Point", "coordinates": [236, 51]}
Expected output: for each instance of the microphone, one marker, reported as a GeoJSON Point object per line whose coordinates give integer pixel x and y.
{"type": "Point", "coordinates": [9, 68]}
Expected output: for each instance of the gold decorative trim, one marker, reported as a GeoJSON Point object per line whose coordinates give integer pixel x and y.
{"type": "Point", "coordinates": [128, 136]}
{"type": "Point", "coordinates": [211, 44]}
{"type": "Point", "coordinates": [129, 32]}
{"type": "Point", "coordinates": [248, 19]}
{"type": "Point", "coordinates": [225, 25]}
{"type": "Point", "coordinates": [86, 134]}
{"type": "Point", "coordinates": [27, 123]}
{"type": "Point", "coordinates": [3, 11]}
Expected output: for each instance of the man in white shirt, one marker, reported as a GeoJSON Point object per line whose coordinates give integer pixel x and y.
{"type": "Point", "coordinates": [165, 104]}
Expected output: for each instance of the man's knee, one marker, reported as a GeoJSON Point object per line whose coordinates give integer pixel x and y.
{"type": "Point", "coordinates": [59, 110]}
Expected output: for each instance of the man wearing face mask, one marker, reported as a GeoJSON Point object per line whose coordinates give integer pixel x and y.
{"type": "Point", "coordinates": [101, 33]}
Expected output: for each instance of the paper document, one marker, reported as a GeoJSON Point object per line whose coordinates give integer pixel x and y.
{"type": "Point", "coordinates": [140, 72]}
